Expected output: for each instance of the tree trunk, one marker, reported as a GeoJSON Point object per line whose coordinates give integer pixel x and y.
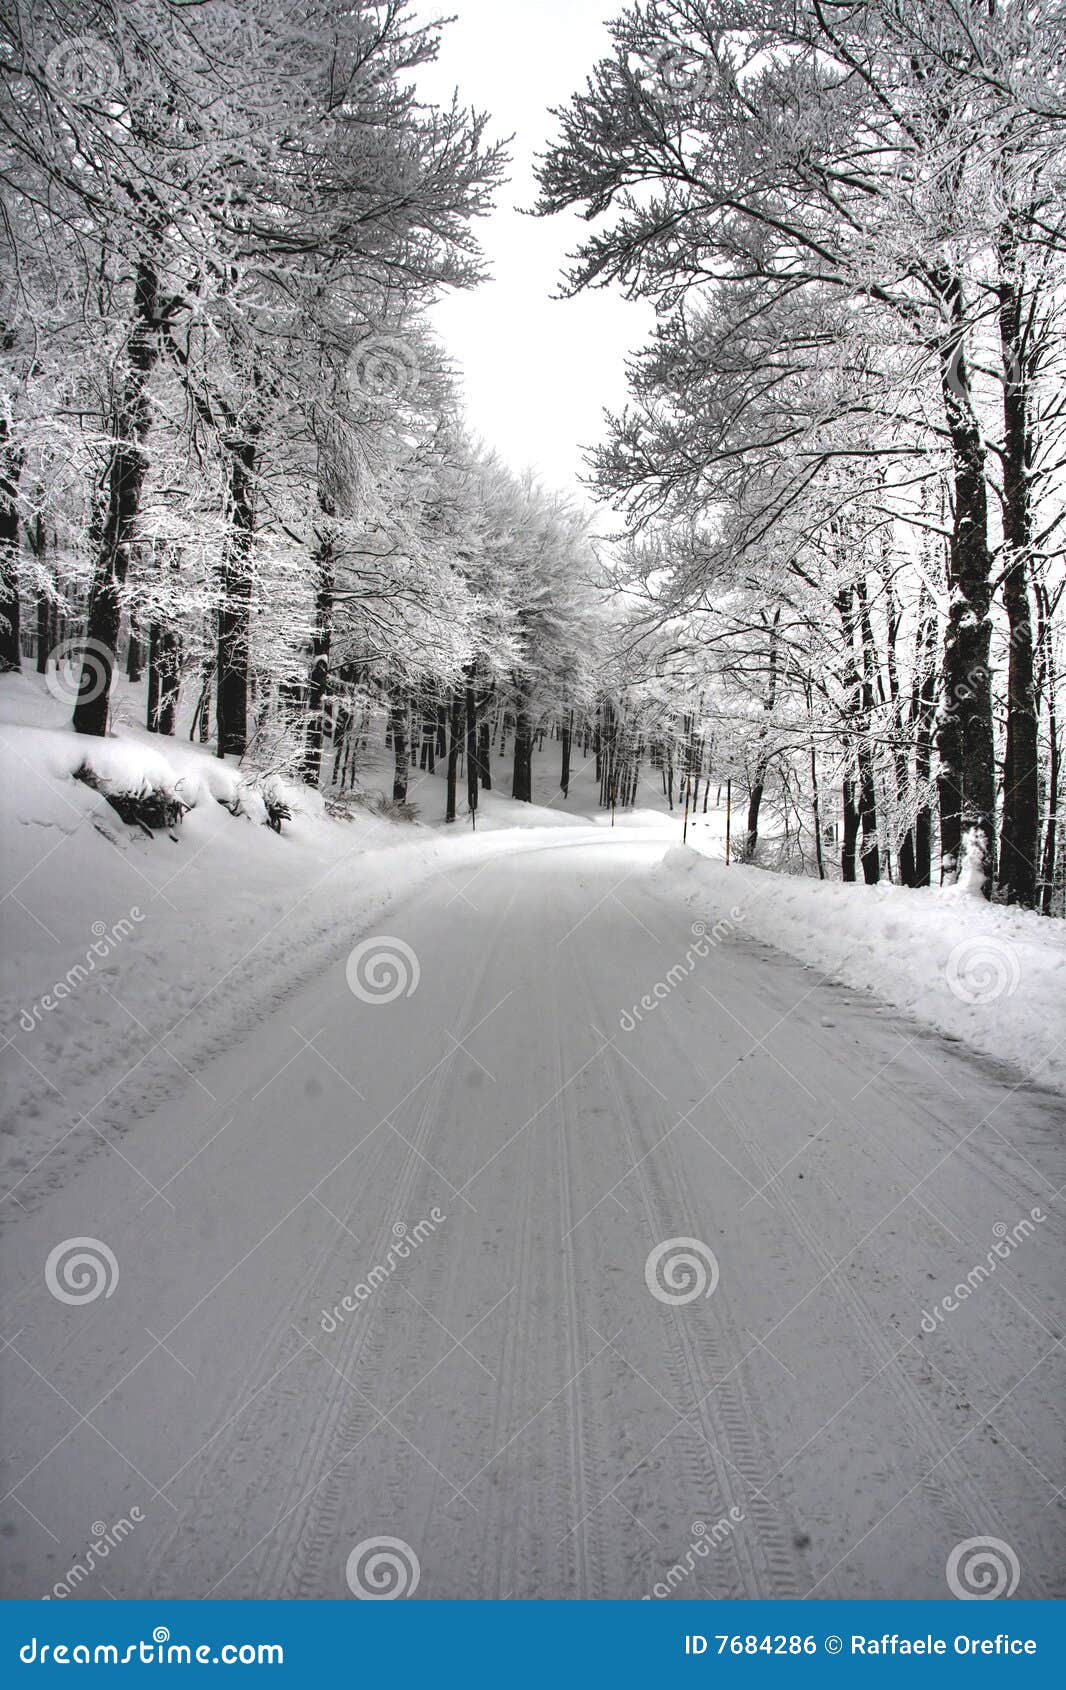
{"type": "Point", "coordinates": [763, 763]}
{"type": "Point", "coordinates": [235, 610]}
{"type": "Point", "coordinates": [471, 745]}
{"type": "Point", "coordinates": [755, 793]}
{"type": "Point", "coordinates": [924, 718]}
{"type": "Point", "coordinates": [1054, 779]}
{"type": "Point", "coordinates": [852, 818]}
{"type": "Point", "coordinates": [902, 765]}
{"type": "Point", "coordinates": [817, 808]}
{"type": "Point", "coordinates": [966, 740]}
{"type": "Point", "coordinates": [134, 651]}
{"type": "Point", "coordinates": [564, 777]}
{"type": "Point", "coordinates": [44, 593]}
{"type": "Point", "coordinates": [130, 422]}
{"type": "Point", "coordinates": [1019, 839]}
{"type": "Point", "coordinates": [485, 756]}
{"type": "Point", "coordinates": [871, 859]}
{"type": "Point", "coordinates": [398, 713]}
{"type": "Point", "coordinates": [152, 711]}
{"type": "Point", "coordinates": [11, 459]}
{"type": "Point", "coordinates": [318, 678]}
{"type": "Point", "coordinates": [522, 783]}
{"type": "Point", "coordinates": [455, 726]}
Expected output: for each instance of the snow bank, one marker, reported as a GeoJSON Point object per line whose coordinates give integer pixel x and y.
{"type": "Point", "coordinates": [990, 976]}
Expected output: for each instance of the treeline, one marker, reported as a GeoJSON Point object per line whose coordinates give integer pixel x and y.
{"type": "Point", "coordinates": [232, 456]}
{"type": "Point", "coordinates": [843, 460]}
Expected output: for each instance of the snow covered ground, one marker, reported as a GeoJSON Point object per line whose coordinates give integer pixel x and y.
{"type": "Point", "coordinates": [511, 1197]}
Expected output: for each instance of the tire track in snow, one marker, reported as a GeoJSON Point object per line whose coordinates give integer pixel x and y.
{"type": "Point", "coordinates": [729, 1431]}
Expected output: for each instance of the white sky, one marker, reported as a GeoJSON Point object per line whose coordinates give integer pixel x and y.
{"type": "Point", "coordinates": [537, 372]}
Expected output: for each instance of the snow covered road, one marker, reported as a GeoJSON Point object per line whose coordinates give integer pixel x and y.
{"type": "Point", "coordinates": [388, 1270]}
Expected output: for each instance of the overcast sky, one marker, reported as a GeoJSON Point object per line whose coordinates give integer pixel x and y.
{"type": "Point", "coordinates": [537, 371]}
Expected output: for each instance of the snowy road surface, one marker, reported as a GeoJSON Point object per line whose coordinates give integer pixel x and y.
{"type": "Point", "coordinates": [517, 1401]}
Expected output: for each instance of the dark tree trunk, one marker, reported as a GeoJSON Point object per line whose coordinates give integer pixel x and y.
{"type": "Point", "coordinates": [11, 459]}
{"type": "Point", "coordinates": [1051, 833]}
{"type": "Point", "coordinates": [44, 595]}
{"type": "Point", "coordinates": [130, 422]}
{"type": "Point", "coordinates": [871, 857]}
{"type": "Point", "coordinates": [758, 786]}
{"type": "Point", "coordinates": [318, 677]}
{"type": "Point", "coordinates": [471, 746]}
{"type": "Point", "coordinates": [201, 722]}
{"type": "Point", "coordinates": [235, 610]}
{"type": "Point", "coordinates": [966, 740]}
{"type": "Point", "coordinates": [902, 765]}
{"type": "Point", "coordinates": [851, 682]}
{"type": "Point", "coordinates": [484, 756]}
{"type": "Point", "coordinates": [852, 820]}
{"type": "Point", "coordinates": [153, 688]}
{"type": "Point", "coordinates": [455, 730]}
{"type": "Point", "coordinates": [134, 652]}
{"type": "Point", "coordinates": [1019, 838]}
{"type": "Point", "coordinates": [428, 759]}
{"type": "Point", "coordinates": [1054, 779]}
{"type": "Point", "coordinates": [817, 807]}
{"type": "Point", "coordinates": [564, 777]}
{"type": "Point", "coordinates": [924, 712]}
{"type": "Point", "coordinates": [398, 713]}
{"type": "Point", "coordinates": [522, 784]}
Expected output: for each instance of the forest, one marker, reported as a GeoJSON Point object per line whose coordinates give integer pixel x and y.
{"type": "Point", "coordinates": [819, 555]}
